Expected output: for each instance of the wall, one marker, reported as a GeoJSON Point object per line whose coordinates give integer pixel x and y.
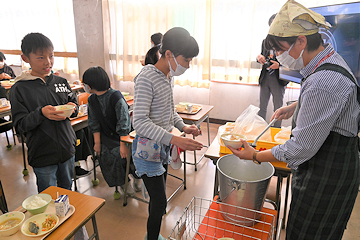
{"type": "Point", "coordinates": [229, 100]}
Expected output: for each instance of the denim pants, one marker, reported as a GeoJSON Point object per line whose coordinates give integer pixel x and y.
{"type": "Point", "coordinates": [55, 175]}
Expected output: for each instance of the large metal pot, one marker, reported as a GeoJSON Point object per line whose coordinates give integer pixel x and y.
{"type": "Point", "coordinates": [243, 184]}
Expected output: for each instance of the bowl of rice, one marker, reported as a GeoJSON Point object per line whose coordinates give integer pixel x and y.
{"type": "Point", "coordinates": [36, 204]}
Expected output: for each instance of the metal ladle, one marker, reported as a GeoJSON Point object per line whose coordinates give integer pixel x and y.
{"type": "Point", "coordinates": [257, 138]}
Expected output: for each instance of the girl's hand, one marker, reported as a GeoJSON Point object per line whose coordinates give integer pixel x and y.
{"type": "Point", "coordinates": [194, 130]}
{"type": "Point", "coordinates": [186, 143]}
{"type": "Point", "coordinates": [97, 148]}
{"type": "Point", "coordinates": [246, 154]}
{"type": "Point", "coordinates": [124, 151]}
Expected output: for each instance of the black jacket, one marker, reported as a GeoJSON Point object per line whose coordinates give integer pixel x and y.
{"type": "Point", "coordinates": [8, 70]}
{"type": "Point", "coordinates": [264, 72]}
{"type": "Point", "coordinates": [49, 142]}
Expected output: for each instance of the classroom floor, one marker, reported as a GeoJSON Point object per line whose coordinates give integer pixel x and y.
{"type": "Point", "coordinates": [116, 221]}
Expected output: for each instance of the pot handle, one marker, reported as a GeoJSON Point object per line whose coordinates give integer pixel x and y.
{"type": "Point", "coordinates": [236, 186]}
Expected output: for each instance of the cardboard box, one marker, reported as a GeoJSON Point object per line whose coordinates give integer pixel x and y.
{"type": "Point", "coordinates": [62, 205]}
{"type": "Point", "coordinates": [261, 145]}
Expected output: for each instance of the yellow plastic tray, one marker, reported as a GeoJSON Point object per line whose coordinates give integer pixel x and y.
{"type": "Point", "coordinates": [261, 145]}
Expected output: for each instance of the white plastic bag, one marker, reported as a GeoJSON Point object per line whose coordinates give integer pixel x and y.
{"type": "Point", "coordinates": [283, 135]}
{"type": "Point", "coordinates": [250, 124]}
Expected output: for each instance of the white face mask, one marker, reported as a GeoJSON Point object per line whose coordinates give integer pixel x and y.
{"type": "Point", "coordinates": [288, 61]}
{"type": "Point", "coordinates": [86, 88]}
{"type": "Point", "coordinates": [2, 64]}
{"type": "Point", "coordinates": [179, 69]}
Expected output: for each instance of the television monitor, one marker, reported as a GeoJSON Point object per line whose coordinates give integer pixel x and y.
{"type": "Point", "coordinates": [344, 35]}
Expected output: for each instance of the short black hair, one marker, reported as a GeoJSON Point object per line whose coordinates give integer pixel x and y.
{"type": "Point", "coordinates": [314, 41]}
{"type": "Point", "coordinates": [33, 42]}
{"type": "Point", "coordinates": [156, 38]}
{"type": "Point", "coordinates": [152, 56]}
{"type": "Point", "coordinates": [179, 42]}
{"type": "Point", "coordinates": [2, 56]}
{"type": "Point", "coordinates": [96, 78]}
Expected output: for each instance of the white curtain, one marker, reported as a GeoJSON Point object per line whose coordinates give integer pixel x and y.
{"type": "Point", "coordinates": [229, 34]}
{"type": "Point", "coordinates": [53, 18]}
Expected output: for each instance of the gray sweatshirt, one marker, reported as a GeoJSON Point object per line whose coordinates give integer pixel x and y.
{"type": "Point", "coordinates": [154, 111]}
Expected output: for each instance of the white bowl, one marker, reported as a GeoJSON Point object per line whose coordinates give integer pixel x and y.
{"type": "Point", "coordinates": [39, 219]}
{"type": "Point", "coordinates": [67, 110]}
{"type": "Point", "coordinates": [37, 210]}
{"type": "Point", "coordinates": [8, 216]}
{"type": "Point", "coordinates": [232, 140]}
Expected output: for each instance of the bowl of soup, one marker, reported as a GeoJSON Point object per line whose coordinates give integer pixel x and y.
{"type": "Point", "coordinates": [37, 203]}
{"type": "Point", "coordinates": [10, 223]}
{"type": "Point", "coordinates": [232, 140]}
{"type": "Point", "coordinates": [67, 110]}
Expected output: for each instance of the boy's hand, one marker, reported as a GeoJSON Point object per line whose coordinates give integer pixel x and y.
{"type": "Point", "coordinates": [51, 113]}
{"type": "Point", "coordinates": [71, 103]}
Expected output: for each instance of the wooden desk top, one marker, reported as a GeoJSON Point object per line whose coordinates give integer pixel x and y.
{"type": "Point", "coordinates": [196, 117]}
{"type": "Point", "coordinates": [213, 152]}
{"type": "Point", "coordinates": [85, 208]}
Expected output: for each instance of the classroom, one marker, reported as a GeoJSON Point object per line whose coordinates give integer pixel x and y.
{"type": "Point", "coordinates": [220, 85]}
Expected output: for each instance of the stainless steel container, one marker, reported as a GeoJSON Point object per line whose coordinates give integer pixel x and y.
{"type": "Point", "coordinates": [243, 184]}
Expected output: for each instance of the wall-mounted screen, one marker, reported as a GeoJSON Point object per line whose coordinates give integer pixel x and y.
{"type": "Point", "coordinates": [344, 35]}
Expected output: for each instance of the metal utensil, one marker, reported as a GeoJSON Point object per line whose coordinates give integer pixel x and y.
{"type": "Point", "coordinates": [257, 138]}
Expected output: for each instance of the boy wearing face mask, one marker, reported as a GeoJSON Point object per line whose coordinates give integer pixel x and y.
{"type": "Point", "coordinates": [323, 150]}
{"type": "Point", "coordinates": [6, 72]}
{"type": "Point", "coordinates": [155, 117]}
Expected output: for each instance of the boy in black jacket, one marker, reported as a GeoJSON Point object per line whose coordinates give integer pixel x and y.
{"type": "Point", "coordinates": [50, 138]}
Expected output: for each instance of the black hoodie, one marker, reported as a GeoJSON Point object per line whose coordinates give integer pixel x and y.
{"type": "Point", "coordinates": [49, 142]}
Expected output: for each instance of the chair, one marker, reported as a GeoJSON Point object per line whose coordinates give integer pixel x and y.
{"type": "Point", "coordinates": [5, 126]}
{"type": "Point", "coordinates": [3, 205]}
{"type": "Point", "coordinates": [83, 98]}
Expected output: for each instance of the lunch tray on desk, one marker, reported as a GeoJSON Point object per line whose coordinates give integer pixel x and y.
{"type": "Point", "coordinates": [203, 219]}
{"type": "Point", "coordinates": [196, 109]}
{"type": "Point", "coordinates": [50, 209]}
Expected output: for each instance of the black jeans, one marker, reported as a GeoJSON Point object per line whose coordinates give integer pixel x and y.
{"type": "Point", "coordinates": [156, 187]}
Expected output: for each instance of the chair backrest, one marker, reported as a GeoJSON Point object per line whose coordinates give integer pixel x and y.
{"type": "Point", "coordinates": [3, 204]}
{"type": "Point", "coordinates": [83, 98]}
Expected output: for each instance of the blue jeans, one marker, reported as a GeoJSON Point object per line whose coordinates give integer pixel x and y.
{"type": "Point", "coordinates": [55, 175]}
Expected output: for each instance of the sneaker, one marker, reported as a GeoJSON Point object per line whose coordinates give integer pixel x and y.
{"type": "Point", "coordinates": [80, 172]}
{"type": "Point", "coordinates": [137, 184]}
{"type": "Point", "coordinates": [130, 190]}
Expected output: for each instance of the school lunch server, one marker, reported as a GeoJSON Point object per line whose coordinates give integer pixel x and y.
{"type": "Point", "coordinates": [203, 220]}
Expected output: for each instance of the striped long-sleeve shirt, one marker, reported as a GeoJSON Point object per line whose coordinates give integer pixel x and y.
{"type": "Point", "coordinates": [328, 103]}
{"type": "Point", "coordinates": [154, 111]}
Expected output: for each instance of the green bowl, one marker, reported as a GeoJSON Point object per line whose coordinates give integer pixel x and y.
{"type": "Point", "coordinates": [38, 210]}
